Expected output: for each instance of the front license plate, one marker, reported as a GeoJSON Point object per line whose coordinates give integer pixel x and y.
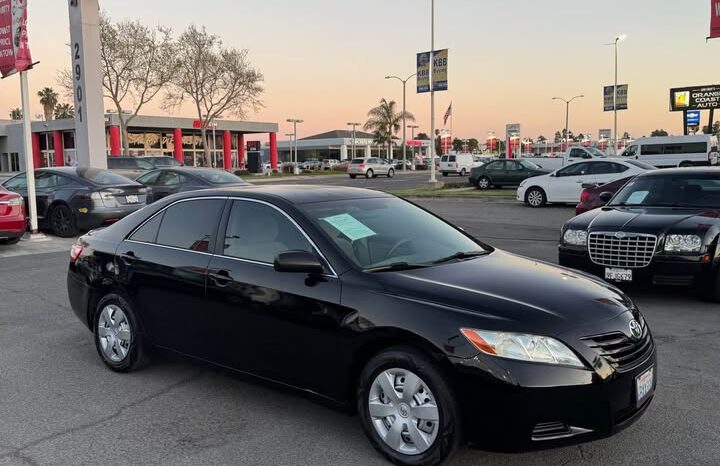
{"type": "Point", "coordinates": [132, 199]}
{"type": "Point", "coordinates": [644, 386]}
{"type": "Point", "coordinates": [618, 275]}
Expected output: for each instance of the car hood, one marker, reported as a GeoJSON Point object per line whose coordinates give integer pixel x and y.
{"type": "Point", "coordinates": [651, 220]}
{"type": "Point", "coordinates": [511, 290]}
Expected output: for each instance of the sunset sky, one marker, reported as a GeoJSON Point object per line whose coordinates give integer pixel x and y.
{"type": "Point", "coordinates": [324, 60]}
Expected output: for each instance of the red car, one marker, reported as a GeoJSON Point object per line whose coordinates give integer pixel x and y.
{"type": "Point", "coordinates": [12, 216]}
{"type": "Point", "coordinates": [590, 197]}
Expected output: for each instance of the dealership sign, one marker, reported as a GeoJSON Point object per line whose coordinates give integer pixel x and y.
{"type": "Point", "coordinates": [14, 51]}
{"type": "Point", "coordinates": [604, 134]}
{"type": "Point", "coordinates": [620, 98]}
{"type": "Point", "coordinates": [423, 72]}
{"type": "Point", "coordinates": [438, 60]}
{"type": "Point", "coordinates": [693, 118]}
{"type": "Point", "coordinates": [695, 98]}
{"type": "Point", "coordinates": [512, 129]}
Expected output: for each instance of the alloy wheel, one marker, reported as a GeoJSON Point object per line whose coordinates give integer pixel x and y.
{"type": "Point", "coordinates": [114, 333]}
{"type": "Point", "coordinates": [61, 220]}
{"type": "Point", "coordinates": [403, 411]}
{"type": "Point", "coordinates": [535, 198]}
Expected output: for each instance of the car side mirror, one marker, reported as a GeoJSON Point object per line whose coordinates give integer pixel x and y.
{"type": "Point", "coordinates": [297, 262]}
{"type": "Point", "coordinates": [605, 196]}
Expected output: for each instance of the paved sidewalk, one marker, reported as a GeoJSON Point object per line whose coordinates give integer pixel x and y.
{"type": "Point", "coordinates": [36, 246]}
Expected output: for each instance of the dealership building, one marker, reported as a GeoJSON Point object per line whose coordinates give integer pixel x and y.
{"type": "Point", "coordinates": [53, 142]}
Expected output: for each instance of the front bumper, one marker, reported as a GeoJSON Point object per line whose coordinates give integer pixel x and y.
{"type": "Point", "coordinates": [663, 269]}
{"type": "Point", "coordinates": [540, 406]}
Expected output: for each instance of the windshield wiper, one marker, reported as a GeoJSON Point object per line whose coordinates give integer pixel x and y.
{"type": "Point", "coordinates": [460, 255]}
{"type": "Point", "coordinates": [396, 266]}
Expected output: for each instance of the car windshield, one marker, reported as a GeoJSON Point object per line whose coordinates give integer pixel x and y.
{"type": "Point", "coordinates": [643, 165]}
{"type": "Point", "coordinates": [102, 177]}
{"type": "Point", "coordinates": [376, 232]}
{"type": "Point", "coordinates": [528, 164]}
{"type": "Point", "coordinates": [596, 152]}
{"type": "Point", "coordinates": [219, 177]}
{"type": "Point", "coordinates": [702, 191]}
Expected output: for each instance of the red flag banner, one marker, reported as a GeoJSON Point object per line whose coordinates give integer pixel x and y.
{"type": "Point", "coordinates": [14, 50]}
{"type": "Point", "coordinates": [714, 19]}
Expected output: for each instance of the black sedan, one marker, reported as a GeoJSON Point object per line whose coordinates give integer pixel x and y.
{"type": "Point", "coordinates": [373, 303]}
{"type": "Point", "coordinates": [166, 181]}
{"type": "Point", "coordinates": [662, 228]}
{"type": "Point", "coordinates": [501, 173]}
{"type": "Point", "coordinates": [70, 199]}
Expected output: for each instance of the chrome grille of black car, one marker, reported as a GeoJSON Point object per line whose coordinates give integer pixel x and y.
{"type": "Point", "coordinates": [630, 250]}
{"type": "Point", "coordinates": [620, 351]}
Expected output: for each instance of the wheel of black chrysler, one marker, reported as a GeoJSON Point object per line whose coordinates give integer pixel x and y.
{"type": "Point", "coordinates": [535, 197]}
{"type": "Point", "coordinates": [353, 176]}
{"type": "Point", "coordinates": [483, 182]}
{"type": "Point", "coordinates": [369, 174]}
{"type": "Point", "coordinates": [62, 221]}
{"type": "Point", "coordinates": [407, 409]}
{"type": "Point", "coordinates": [117, 336]}
{"type": "Point", "coordinates": [391, 173]}
{"type": "Point", "coordinates": [463, 172]}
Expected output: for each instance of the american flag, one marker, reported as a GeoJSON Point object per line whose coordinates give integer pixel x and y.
{"type": "Point", "coordinates": [447, 114]}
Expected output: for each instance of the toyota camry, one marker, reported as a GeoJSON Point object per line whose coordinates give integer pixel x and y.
{"type": "Point", "coordinates": [368, 301]}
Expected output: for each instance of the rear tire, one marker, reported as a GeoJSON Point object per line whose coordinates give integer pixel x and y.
{"type": "Point", "coordinates": [463, 172]}
{"type": "Point", "coordinates": [369, 174]}
{"type": "Point", "coordinates": [421, 440]}
{"type": "Point", "coordinates": [535, 197]}
{"type": "Point", "coordinates": [118, 338]}
{"type": "Point", "coordinates": [62, 221]}
{"type": "Point", "coordinates": [483, 182]}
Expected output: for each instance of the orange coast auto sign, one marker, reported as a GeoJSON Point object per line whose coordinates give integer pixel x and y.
{"type": "Point", "coordinates": [695, 98]}
{"type": "Point", "coordinates": [14, 51]}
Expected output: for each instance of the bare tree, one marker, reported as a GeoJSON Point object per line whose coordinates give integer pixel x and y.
{"type": "Point", "coordinates": [214, 79]}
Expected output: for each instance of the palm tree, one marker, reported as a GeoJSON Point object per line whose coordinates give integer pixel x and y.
{"type": "Point", "coordinates": [48, 99]}
{"type": "Point", "coordinates": [64, 111]}
{"type": "Point", "coordinates": [16, 114]}
{"type": "Point", "coordinates": [385, 120]}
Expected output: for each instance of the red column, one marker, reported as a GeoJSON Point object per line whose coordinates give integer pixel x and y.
{"type": "Point", "coordinates": [227, 159]}
{"type": "Point", "coordinates": [177, 145]}
{"type": "Point", "coordinates": [241, 150]}
{"type": "Point", "coordinates": [273, 151]}
{"type": "Point", "coordinates": [36, 150]}
{"type": "Point", "coordinates": [115, 140]}
{"type": "Point", "coordinates": [59, 153]}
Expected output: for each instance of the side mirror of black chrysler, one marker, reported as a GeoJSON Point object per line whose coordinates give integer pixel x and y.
{"type": "Point", "coordinates": [298, 262]}
{"type": "Point", "coordinates": [605, 196]}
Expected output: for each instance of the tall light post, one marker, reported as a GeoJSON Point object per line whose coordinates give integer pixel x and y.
{"type": "Point", "coordinates": [567, 116]}
{"type": "Point", "coordinates": [615, 43]}
{"type": "Point", "coordinates": [354, 125]}
{"type": "Point", "coordinates": [295, 122]}
{"type": "Point", "coordinates": [404, 83]}
{"type": "Point", "coordinates": [432, 95]}
{"type": "Point", "coordinates": [290, 146]}
{"type": "Point", "coordinates": [213, 124]}
{"type": "Point", "coordinates": [412, 138]}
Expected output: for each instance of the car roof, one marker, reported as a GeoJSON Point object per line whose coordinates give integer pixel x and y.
{"type": "Point", "coordinates": [292, 193]}
{"type": "Point", "coordinates": [689, 171]}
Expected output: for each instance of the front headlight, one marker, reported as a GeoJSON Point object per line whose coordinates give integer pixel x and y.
{"type": "Point", "coordinates": [575, 237]}
{"type": "Point", "coordinates": [683, 243]}
{"type": "Point", "coordinates": [523, 182]}
{"type": "Point", "coordinates": [523, 347]}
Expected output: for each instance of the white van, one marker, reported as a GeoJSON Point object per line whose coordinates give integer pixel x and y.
{"type": "Point", "coordinates": [674, 151]}
{"type": "Point", "coordinates": [459, 164]}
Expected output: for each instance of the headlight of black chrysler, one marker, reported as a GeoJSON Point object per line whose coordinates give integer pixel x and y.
{"type": "Point", "coordinates": [683, 243]}
{"type": "Point", "coordinates": [575, 237]}
{"type": "Point", "coordinates": [523, 347]}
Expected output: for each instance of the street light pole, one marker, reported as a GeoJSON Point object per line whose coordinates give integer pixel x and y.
{"type": "Point", "coordinates": [404, 83]}
{"type": "Point", "coordinates": [412, 138]}
{"type": "Point", "coordinates": [354, 125]}
{"type": "Point", "coordinates": [295, 122]}
{"type": "Point", "coordinates": [567, 116]}
{"type": "Point", "coordinates": [615, 43]}
{"type": "Point", "coordinates": [432, 95]}
{"type": "Point", "coordinates": [290, 146]}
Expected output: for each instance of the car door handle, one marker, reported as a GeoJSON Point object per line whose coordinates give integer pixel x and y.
{"type": "Point", "coordinates": [128, 258]}
{"type": "Point", "coordinates": [221, 278]}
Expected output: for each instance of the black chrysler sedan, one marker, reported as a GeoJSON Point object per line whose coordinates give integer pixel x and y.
{"type": "Point", "coordinates": [661, 228]}
{"type": "Point", "coordinates": [70, 199]}
{"type": "Point", "coordinates": [370, 302]}
{"type": "Point", "coordinates": [167, 181]}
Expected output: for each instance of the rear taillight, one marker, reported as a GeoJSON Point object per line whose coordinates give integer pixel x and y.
{"type": "Point", "coordinates": [15, 201]}
{"type": "Point", "coordinates": [584, 196]}
{"type": "Point", "coordinates": [362, 165]}
{"type": "Point", "coordinates": [75, 251]}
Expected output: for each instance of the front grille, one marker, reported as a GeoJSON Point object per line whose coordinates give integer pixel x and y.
{"type": "Point", "coordinates": [620, 351]}
{"type": "Point", "coordinates": [631, 250]}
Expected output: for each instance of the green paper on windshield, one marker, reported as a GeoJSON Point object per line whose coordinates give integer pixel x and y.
{"type": "Point", "coordinates": [637, 197]}
{"type": "Point", "coordinates": [349, 226]}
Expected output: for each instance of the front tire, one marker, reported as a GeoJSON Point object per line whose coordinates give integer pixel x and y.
{"type": "Point", "coordinates": [483, 182]}
{"type": "Point", "coordinates": [118, 339]}
{"type": "Point", "coordinates": [62, 221]}
{"type": "Point", "coordinates": [535, 197]}
{"type": "Point", "coordinates": [407, 408]}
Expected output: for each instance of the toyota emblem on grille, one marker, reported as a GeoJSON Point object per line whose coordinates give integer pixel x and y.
{"type": "Point", "coordinates": [635, 330]}
{"type": "Point", "coordinates": [619, 235]}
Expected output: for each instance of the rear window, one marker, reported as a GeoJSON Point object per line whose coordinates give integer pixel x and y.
{"type": "Point", "coordinates": [357, 161]}
{"type": "Point", "coordinates": [444, 158]}
{"type": "Point", "coordinates": [102, 177]}
{"type": "Point", "coordinates": [451, 158]}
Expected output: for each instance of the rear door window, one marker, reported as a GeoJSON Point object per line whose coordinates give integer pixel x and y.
{"type": "Point", "coordinates": [191, 224]}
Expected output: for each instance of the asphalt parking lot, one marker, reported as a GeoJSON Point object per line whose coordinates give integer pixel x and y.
{"type": "Point", "coordinates": [59, 405]}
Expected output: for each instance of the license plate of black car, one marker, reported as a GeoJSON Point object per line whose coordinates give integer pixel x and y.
{"type": "Point", "coordinates": [644, 385]}
{"type": "Point", "coordinates": [131, 199]}
{"type": "Point", "coordinates": [618, 275]}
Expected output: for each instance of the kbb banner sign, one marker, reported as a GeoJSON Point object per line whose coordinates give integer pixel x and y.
{"type": "Point", "coordinates": [437, 61]}
{"type": "Point", "coordinates": [14, 51]}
